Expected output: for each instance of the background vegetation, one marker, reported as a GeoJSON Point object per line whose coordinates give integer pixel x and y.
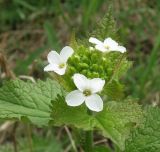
{"type": "Point", "coordinates": [30, 29]}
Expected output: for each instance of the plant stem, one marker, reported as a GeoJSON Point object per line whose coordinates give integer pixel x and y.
{"type": "Point", "coordinates": [89, 138]}
{"type": "Point", "coordinates": [88, 141]}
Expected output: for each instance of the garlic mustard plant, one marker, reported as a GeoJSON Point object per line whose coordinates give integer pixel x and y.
{"type": "Point", "coordinates": [107, 46]}
{"type": "Point", "coordinates": [87, 89]}
{"type": "Point", "coordinates": [58, 62]}
{"type": "Point", "coordinates": [87, 77]}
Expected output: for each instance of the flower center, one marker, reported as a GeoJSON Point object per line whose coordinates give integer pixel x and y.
{"type": "Point", "coordinates": [107, 47]}
{"type": "Point", "coordinates": [61, 65]}
{"type": "Point", "coordinates": [87, 92]}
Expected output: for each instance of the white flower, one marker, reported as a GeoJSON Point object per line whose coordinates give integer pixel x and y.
{"type": "Point", "coordinates": [58, 62]}
{"type": "Point", "coordinates": [107, 46]}
{"type": "Point", "coordinates": [87, 89]}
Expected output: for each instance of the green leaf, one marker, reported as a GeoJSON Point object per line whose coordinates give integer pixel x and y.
{"type": "Point", "coordinates": [147, 137]}
{"type": "Point", "coordinates": [39, 144]}
{"type": "Point", "coordinates": [66, 115]}
{"type": "Point", "coordinates": [114, 90]}
{"type": "Point", "coordinates": [115, 121]}
{"type": "Point", "coordinates": [106, 27]}
{"type": "Point", "coordinates": [20, 99]}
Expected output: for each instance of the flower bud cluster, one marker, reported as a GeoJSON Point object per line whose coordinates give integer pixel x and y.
{"type": "Point", "coordinates": [92, 63]}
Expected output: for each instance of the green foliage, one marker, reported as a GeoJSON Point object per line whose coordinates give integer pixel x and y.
{"type": "Point", "coordinates": [101, 149]}
{"type": "Point", "coordinates": [51, 36]}
{"type": "Point", "coordinates": [114, 90]}
{"type": "Point", "coordinates": [106, 27]}
{"type": "Point", "coordinates": [74, 116]}
{"type": "Point", "coordinates": [115, 121]}
{"type": "Point", "coordinates": [20, 99]}
{"type": "Point", "coordinates": [147, 137]}
{"type": "Point", "coordinates": [39, 144]}
{"type": "Point", "coordinates": [145, 84]}
{"type": "Point", "coordinates": [23, 66]}
{"type": "Point", "coordinates": [89, 7]}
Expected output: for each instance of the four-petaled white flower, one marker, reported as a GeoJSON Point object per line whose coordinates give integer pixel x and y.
{"type": "Point", "coordinates": [107, 46]}
{"type": "Point", "coordinates": [87, 89]}
{"type": "Point", "coordinates": [58, 62]}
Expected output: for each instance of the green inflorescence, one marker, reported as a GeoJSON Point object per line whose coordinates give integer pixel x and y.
{"type": "Point", "coordinates": [93, 64]}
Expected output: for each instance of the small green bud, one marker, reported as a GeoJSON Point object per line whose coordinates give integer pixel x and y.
{"type": "Point", "coordinates": [100, 69]}
{"type": "Point", "coordinates": [76, 58]}
{"type": "Point", "coordinates": [71, 69]}
{"type": "Point", "coordinates": [89, 74]}
{"type": "Point", "coordinates": [84, 72]}
{"type": "Point", "coordinates": [94, 57]}
{"type": "Point", "coordinates": [95, 67]}
{"type": "Point", "coordinates": [70, 60]}
{"type": "Point", "coordinates": [85, 59]}
{"type": "Point", "coordinates": [95, 75]}
{"type": "Point", "coordinates": [83, 66]}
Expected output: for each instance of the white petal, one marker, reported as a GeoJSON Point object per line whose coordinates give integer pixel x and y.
{"type": "Point", "coordinates": [75, 98]}
{"type": "Point", "coordinates": [54, 57]}
{"type": "Point", "coordinates": [80, 81]}
{"type": "Point", "coordinates": [101, 48]}
{"type": "Point", "coordinates": [110, 42]}
{"type": "Point", "coordinates": [60, 71]}
{"type": "Point", "coordinates": [55, 68]}
{"type": "Point", "coordinates": [66, 52]}
{"type": "Point", "coordinates": [95, 41]}
{"type": "Point", "coordinates": [49, 67]}
{"type": "Point", "coordinates": [97, 85]}
{"type": "Point", "coordinates": [121, 49]}
{"type": "Point", "coordinates": [94, 103]}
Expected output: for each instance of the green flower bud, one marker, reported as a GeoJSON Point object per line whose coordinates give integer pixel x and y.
{"type": "Point", "coordinates": [85, 59]}
{"type": "Point", "coordinates": [94, 57]}
{"type": "Point", "coordinates": [71, 70]}
{"type": "Point", "coordinates": [84, 72]}
{"type": "Point", "coordinates": [89, 74]}
{"type": "Point", "coordinates": [95, 75]}
{"type": "Point", "coordinates": [94, 67]}
{"type": "Point", "coordinates": [76, 58]}
{"type": "Point", "coordinates": [100, 69]}
{"type": "Point", "coordinates": [83, 66]}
